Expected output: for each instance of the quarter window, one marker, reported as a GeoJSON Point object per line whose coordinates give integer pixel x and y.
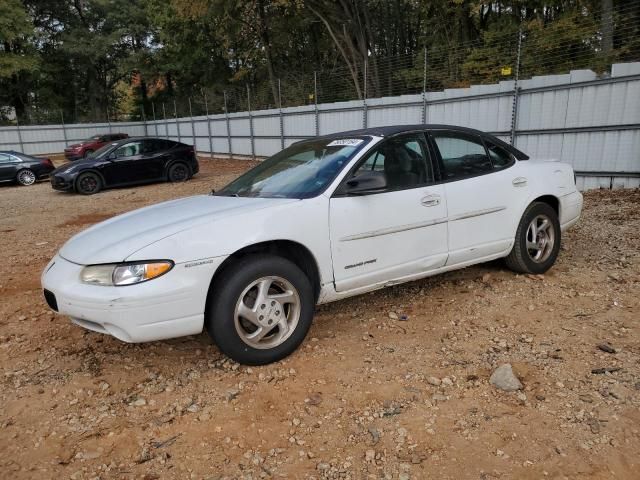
{"type": "Point", "coordinates": [403, 160]}
{"type": "Point", "coordinates": [500, 158]}
{"type": "Point", "coordinates": [462, 155]}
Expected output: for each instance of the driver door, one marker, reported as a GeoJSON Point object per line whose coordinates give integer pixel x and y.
{"type": "Point", "coordinates": [399, 232]}
{"type": "Point", "coordinates": [122, 168]}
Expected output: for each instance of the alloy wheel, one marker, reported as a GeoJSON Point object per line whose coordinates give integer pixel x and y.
{"type": "Point", "coordinates": [26, 177]}
{"type": "Point", "coordinates": [540, 238]}
{"type": "Point", "coordinates": [267, 312]}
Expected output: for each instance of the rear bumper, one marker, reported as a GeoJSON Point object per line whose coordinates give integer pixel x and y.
{"type": "Point", "coordinates": [570, 209]}
{"type": "Point", "coordinates": [72, 156]}
{"type": "Point", "coordinates": [167, 307]}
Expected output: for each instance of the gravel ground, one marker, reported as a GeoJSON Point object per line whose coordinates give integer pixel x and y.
{"type": "Point", "coordinates": [394, 384]}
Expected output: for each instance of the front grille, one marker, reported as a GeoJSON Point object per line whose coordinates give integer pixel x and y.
{"type": "Point", "coordinates": [51, 300]}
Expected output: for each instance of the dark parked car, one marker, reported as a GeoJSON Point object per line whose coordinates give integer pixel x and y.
{"type": "Point", "coordinates": [90, 145]}
{"type": "Point", "coordinates": [128, 162]}
{"type": "Point", "coordinates": [24, 169]}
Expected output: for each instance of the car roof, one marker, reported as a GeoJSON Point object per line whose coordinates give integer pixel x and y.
{"type": "Point", "coordinates": [391, 130]}
{"type": "Point", "coordinates": [137, 139]}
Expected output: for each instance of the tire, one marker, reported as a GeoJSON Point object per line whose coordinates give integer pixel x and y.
{"type": "Point", "coordinates": [536, 255]}
{"type": "Point", "coordinates": [178, 172]}
{"type": "Point", "coordinates": [26, 177]}
{"type": "Point", "coordinates": [88, 183]}
{"type": "Point", "coordinates": [284, 324]}
{"type": "Point", "coordinates": [87, 153]}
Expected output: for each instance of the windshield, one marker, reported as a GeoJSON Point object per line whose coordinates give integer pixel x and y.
{"type": "Point", "coordinates": [94, 138]}
{"type": "Point", "coordinates": [303, 170]}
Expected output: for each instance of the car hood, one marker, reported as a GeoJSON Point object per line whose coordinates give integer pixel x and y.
{"type": "Point", "coordinates": [119, 237]}
{"type": "Point", "coordinates": [78, 165]}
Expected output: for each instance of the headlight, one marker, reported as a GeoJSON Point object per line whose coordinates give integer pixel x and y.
{"type": "Point", "coordinates": [124, 273]}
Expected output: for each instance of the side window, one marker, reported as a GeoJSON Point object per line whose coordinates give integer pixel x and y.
{"type": "Point", "coordinates": [4, 158]}
{"type": "Point", "coordinates": [129, 150]}
{"type": "Point", "coordinates": [374, 162]}
{"type": "Point", "coordinates": [500, 158]}
{"type": "Point", "coordinates": [462, 155]}
{"type": "Point", "coordinates": [404, 161]}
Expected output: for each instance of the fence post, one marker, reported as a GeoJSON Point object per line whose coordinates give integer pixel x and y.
{"type": "Point", "coordinates": [175, 114]}
{"type": "Point", "coordinates": [364, 100]}
{"type": "Point", "coordinates": [166, 125]}
{"type": "Point", "coordinates": [315, 102]}
{"type": "Point", "coordinates": [516, 92]}
{"type": "Point", "coordinates": [206, 111]}
{"type": "Point", "coordinates": [424, 88]}
{"type": "Point", "coordinates": [144, 121]}
{"type": "Point", "coordinates": [226, 116]}
{"type": "Point", "coordinates": [155, 123]}
{"type": "Point", "coordinates": [193, 127]}
{"type": "Point", "coordinates": [64, 129]}
{"type": "Point", "coordinates": [281, 118]}
{"type": "Point", "coordinates": [253, 147]}
{"type": "Point", "coordinates": [19, 133]}
{"type": "Point", "coordinates": [108, 120]}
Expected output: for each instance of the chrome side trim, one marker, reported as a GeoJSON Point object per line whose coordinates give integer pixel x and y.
{"type": "Point", "coordinates": [388, 231]}
{"type": "Point", "coordinates": [476, 213]}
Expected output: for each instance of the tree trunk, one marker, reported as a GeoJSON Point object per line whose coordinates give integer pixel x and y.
{"type": "Point", "coordinates": [606, 22]}
{"type": "Point", "coordinates": [264, 38]}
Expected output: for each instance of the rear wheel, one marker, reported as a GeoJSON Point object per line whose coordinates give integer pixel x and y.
{"type": "Point", "coordinates": [88, 183]}
{"type": "Point", "coordinates": [537, 241]}
{"type": "Point", "coordinates": [261, 309]}
{"type": "Point", "coordinates": [26, 177]}
{"type": "Point", "coordinates": [179, 172]}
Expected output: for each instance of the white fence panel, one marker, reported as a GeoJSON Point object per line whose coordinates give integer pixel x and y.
{"type": "Point", "coordinates": [592, 123]}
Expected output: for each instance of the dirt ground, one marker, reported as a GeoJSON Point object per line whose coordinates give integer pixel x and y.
{"type": "Point", "coordinates": [369, 395]}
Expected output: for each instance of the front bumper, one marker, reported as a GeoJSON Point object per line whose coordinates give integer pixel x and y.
{"type": "Point", "coordinates": [61, 183]}
{"type": "Point", "coordinates": [167, 307]}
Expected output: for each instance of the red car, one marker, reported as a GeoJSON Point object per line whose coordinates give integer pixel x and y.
{"type": "Point", "coordinates": [87, 147]}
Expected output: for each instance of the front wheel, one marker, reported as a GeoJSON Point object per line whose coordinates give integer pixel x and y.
{"type": "Point", "coordinates": [88, 183]}
{"type": "Point", "coordinates": [537, 241]}
{"type": "Point", "coordinates": [261, 309]}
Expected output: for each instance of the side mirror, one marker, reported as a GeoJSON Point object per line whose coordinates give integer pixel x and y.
{"type": "Point", "coordinates": [365, 183]}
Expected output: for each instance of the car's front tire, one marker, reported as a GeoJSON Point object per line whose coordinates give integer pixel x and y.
{"type": "Point", "coordinates": [260, 309]}
{"type": "Point", "coordinates": [26, 177]}
{"type": "Point", "coordinates": [537, 241]}
{"type": "Point", "coordinates": [88, 183]}
{"type": "Point", "coordinates": [87, 153]}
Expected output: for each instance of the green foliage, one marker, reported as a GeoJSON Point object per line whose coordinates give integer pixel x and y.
{"type": "Point", "coordinates": [91, 59]}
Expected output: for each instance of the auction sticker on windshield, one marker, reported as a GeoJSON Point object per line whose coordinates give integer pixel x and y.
{"type": "Point", "coordinates": [346, 142]}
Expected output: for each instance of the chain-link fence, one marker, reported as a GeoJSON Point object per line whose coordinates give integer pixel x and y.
{"type": "Point", "coordinates": [534, 48]}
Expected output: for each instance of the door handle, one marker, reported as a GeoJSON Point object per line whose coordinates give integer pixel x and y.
{"type": "Point", "coordinates": [519, 182]}
{"type": "Point", "coordinates": [430, 200]}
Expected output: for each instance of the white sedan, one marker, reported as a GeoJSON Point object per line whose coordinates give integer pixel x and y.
{"type": "Point", "coordinates": [325, 219]}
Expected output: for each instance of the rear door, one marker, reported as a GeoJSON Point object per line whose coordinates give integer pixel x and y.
{"type": "Point", "coordinates": [401, 232]}
{"type": "Point", "coordinates": [8, 164]}
{"type": "Point", "coordinates": [154, 157]}
{"type": "Point", "coordinates": [484, 195]}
